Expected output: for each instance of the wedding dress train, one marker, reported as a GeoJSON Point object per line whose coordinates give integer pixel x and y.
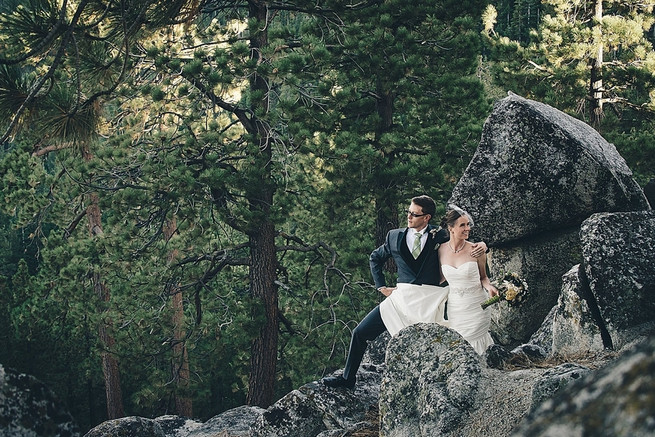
{"type": "Point", "coordinates": [410, 304]}
{"type": "Point", "coordinates": [464, 312]}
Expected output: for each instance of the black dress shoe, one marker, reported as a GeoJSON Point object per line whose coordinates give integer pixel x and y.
{"type": "Point", "coordinates": [338, 381]}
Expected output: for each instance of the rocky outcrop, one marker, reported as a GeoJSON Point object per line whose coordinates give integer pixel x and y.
{"type": "Point", "coordinates": [615, 401]}
{"type": "Point", "coordinates": [128, 427]}
{"type": "Point", "coordinates": [574, 328]}
{"type": "Point", "coordinates": [29, 409]}
{"type": "Point", "coordinates": [568, 399]}
{"type": "Point", "coordinates": [610, 298]}
{"type": "Point", "coordinates": [537, 174]}
{"type": "Point", "coordinates": [619, 265]}
{"type": "Point", "coordinates": [436, 385]}
{"type": "Point", "coordinates": [538, 170]}
{"type": "Point", "coordinates": [430, 383]}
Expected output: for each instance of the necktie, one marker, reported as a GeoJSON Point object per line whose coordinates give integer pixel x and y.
{"type": "Point", "coordinates": [416, 249]}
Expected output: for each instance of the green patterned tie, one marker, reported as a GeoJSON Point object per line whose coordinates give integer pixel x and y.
{"type": "Point", "coordinates": [416, 250]}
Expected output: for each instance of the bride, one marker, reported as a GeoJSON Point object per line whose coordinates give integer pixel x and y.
{"type": "Point", "coordinates": [468, 282]}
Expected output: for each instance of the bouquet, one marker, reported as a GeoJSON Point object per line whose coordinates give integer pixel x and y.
{"type": "Point", "coordinates": [511, 287]}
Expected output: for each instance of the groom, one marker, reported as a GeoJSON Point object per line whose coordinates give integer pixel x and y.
{"type": "Point", "coordinates": [413, 249]}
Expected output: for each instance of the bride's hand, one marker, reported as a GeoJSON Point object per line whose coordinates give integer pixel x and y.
{"type": "Point", "coordinates": [493, 291]}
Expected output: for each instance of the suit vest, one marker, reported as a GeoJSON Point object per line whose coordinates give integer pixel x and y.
{"type": "Point", "coordinates": [414, 264]}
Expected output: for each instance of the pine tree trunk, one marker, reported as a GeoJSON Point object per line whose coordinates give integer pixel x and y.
{"type": "Point", "coordinates": [180, 371]}
{"type": "Point", "coordinates": [109, 362]}
{"type": "Point", "coordinates": [180, 359]}
{"type": "Point", "coordinates": [596, 82]}
{"type": "Point", "coordinates": [387, 211]}
{"type": "Point", "coordinates": [110, 369]}
{"type": "Point", "coordinates": [264, 348]}
{"type": "Point", "coordinates": [263, 258]}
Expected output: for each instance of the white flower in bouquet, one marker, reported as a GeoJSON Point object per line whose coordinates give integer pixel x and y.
{"type": "Point", "coordinates": [511, 288]}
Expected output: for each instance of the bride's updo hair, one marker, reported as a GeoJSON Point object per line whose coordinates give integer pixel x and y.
{"type": "Point", "coordinates": [448, 220]}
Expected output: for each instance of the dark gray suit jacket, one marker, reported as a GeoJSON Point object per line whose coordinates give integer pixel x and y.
{"type": "Point", "coordinates": [426, 271]}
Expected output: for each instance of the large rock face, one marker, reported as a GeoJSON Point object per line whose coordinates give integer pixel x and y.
{"type": "Point", "coordinates": [436, 385]}
{"type": "Point", "coordinates": [430, 392]}
{"type": "Point", "coordinates": [541, 260]}
{"type": "Point", "coordinates": [430, 383]}
{"type": "Point", "coordinates": [537, 170]}
{"type": "Point", "coordinates": [615, 401]}
{"type": "Point", "coordinates": [619, 263]}
{"type": "Point", "coordinates": [29, 409]}
{"type": "Point", "coordinates": [574, 327]}
{"type": "Point", "coordinates": [605, 301]}
{"type": "Point", "coordinates": [536, 175]}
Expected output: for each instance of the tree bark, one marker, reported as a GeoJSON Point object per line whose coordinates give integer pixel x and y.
{"type": "Point", "coordinates": [596, 80]}
{"type": "Point", "coordinates": [387, 211]}
{"type": "Point", "coordinates": [113, 392]}
{"type": "Point", "coordinates": [261, 234]}
{"type": "Point", "coordinates": [180, 359]}
{"type": "Point", "coordinates": [264, 348]}
{"type": "Point", "coordinates": [110, 369]}
{"type": "Point", "coordinates": [180, 370]}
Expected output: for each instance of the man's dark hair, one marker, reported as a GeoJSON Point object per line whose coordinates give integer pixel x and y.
{"type": "Point", "coordinates": [427, 204]}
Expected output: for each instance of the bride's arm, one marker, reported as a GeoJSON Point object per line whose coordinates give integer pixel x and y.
{"type": "Point", "coordinates": [484, 279]}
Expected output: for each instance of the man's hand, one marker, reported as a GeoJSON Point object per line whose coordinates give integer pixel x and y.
{"type": "Point", "coordinates": [478, 249]}
{"type": "Point", "coordinates": [386, 290]}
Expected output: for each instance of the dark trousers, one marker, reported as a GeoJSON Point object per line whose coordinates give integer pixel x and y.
{"type": "Point", "coordinates": [367, 330]}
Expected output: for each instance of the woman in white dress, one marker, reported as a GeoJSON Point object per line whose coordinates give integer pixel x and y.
{"type": "Point", "coordinates": [468, 282]}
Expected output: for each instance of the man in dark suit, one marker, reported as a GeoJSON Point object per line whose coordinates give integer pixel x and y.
{"type": "Point", "coordinates": [417, 262]}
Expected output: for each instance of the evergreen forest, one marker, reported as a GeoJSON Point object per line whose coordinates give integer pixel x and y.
{"type": "Point", "coordinates": [190, 189]}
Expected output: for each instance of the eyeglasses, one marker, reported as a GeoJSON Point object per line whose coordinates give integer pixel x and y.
{"type": "Point", "coordinates": [413, 214]}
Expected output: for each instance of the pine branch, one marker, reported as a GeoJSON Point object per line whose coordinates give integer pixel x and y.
{"type": "Point", "coordinates": [49, 74]}
{"type": "Point", "coordinates": [44, 43]}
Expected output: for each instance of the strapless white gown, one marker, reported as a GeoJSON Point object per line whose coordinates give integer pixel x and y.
{"type": "Point", "coordinates": [464, 312]}
{"type": "Point", "coordinates": [410, 304]}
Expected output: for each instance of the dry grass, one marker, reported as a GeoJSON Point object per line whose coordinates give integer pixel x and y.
{"type": "Point", "coordinates": [592, 360]}
{"type": "Point", "coordinates": [372, 427]}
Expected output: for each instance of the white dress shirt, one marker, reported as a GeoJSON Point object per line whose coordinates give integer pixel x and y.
{"type": "Point", "coordinates": [411, 232]}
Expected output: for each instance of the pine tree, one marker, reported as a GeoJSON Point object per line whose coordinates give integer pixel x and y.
{"type": "Point", "coordinates": [57, 86]}
{"type": "Point", "coordinates": [203, 143]}
{"type": "Point", "coordinates": [411, 106]}
{"type": "Point", "coordinates": [591, 59]}
{"type": "Point", "coordinates": [584, 56]}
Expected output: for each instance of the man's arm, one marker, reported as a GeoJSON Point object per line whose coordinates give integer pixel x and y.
{"type": "Point", "coordinates": [376, 261]}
